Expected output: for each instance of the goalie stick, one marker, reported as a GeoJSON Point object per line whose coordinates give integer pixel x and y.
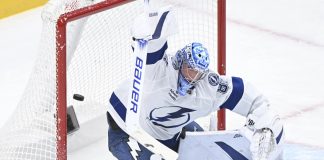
{"type": "Point", "coordinates": [133, 127]}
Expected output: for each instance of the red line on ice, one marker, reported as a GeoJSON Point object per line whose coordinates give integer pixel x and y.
{"type": "Point", "coordinates": [304, 144]}
{"type": "Point", "coordinates": [302, 111]}
{"type": "Point", "coordinates": [283, 35]}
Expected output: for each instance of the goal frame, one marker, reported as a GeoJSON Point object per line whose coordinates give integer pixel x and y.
{"type": "Point", "coordinates": [61, 66]}
{"type": "Point", "coordinates": [221, 54]}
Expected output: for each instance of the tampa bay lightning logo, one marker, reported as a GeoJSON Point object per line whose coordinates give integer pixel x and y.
{"type": "Point", "coordinates": [213, 79]}
{"type": "Point", "coordinates": [170, 116]}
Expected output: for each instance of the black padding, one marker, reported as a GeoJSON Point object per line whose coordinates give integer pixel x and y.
{"type": "Point", "coordinates": [183, 133]}
{"type": "Point", "coordinates": [111, 122]}
{"type": "Point", "coordinates": [72, 121]}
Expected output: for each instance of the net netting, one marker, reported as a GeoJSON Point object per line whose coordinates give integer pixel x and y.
{"type": "Point", "coordinates": [99, 54]}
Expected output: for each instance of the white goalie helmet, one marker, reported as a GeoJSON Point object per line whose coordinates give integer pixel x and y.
{"type": "Point", "coordinates": [192, 61]}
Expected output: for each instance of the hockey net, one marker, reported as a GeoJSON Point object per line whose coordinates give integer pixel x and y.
{"type": "Point", "coordinates": [97, 41]}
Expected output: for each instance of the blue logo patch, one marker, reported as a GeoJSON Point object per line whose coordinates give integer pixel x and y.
{"type": "Point", "coordinates": [213, 79]}
{"type": "Point", "coordinates": [170, 116]}
{"type": "Point", "coordinates": [222, 88]}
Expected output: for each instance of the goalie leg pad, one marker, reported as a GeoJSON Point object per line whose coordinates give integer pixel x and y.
{"type": "Point", "coordinates": [193, 127]}
{"type": "Point", "coordinates": [173, 143]}
{"type": "Point", "coordinates": [224, 145]}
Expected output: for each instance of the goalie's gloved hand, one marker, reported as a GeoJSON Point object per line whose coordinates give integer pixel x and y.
{"type": "Point", "coordinates": [262, 144]}
{"type": "Point", "coordinates": [156, 24]}
{"type": "Point", "coordinates": [267, 132]}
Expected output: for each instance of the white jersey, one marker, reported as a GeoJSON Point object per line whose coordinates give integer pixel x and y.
{"type": "Point", "coordinates": [164, 113]}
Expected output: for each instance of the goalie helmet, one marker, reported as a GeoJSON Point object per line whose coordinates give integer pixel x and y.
{"type": "Point", "coordinates": [192, 61]}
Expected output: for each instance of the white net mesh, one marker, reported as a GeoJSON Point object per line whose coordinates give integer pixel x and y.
{"type": "Point", "coordinates": [99, 63]}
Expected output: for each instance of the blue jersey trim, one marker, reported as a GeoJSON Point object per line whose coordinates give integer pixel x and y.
{"type": "Point", "coordinates": [118, 106]}
{"type": "Point", "coordinates": [234, 154]}
{"type": "Point", "coordinates": [158, 29]}
{"type": "Point", "coordinates": [236, 95]}
{"type": "Point", "coordinates": [153, 57]}
{"type": "Point", "coordinates": [172, 143]}
{"type": "Point", "coordinates": [279, 136]}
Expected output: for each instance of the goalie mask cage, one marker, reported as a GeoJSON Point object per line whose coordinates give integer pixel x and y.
{"type": "Point", "coordinates": [85, 49]}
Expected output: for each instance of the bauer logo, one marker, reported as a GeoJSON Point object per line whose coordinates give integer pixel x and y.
{"type": "Point", "coordinates": [142, 43]}
{"type": "Point", "coordinates": [136, 84]}
{"type": "Point", "coordinates": [153, 14]}
{"type": "Point", "coordinates": [237, 136]}
{"type": "Point", "coordinates": [251, 122]}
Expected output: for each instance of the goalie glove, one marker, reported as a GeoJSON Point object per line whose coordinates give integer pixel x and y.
{"type": "Point", "coordinates": [267, 133]}
{"type": "Point", "coordinates": [263, 143]}
{"type": "Point", "coordinates": [155, 25]}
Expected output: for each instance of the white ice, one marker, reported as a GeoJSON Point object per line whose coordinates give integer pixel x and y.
{"type": "Point", "coordinates": [278, 45]}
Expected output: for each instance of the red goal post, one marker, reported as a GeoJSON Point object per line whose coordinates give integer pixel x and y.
{"type": "Point", "coordinates": [221, 55]}
{"type": "Point", "coordinates": [61, 66]}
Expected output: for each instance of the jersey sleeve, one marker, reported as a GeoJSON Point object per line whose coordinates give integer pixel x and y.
{"type": "Point", "coordinates": [241, 97]}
